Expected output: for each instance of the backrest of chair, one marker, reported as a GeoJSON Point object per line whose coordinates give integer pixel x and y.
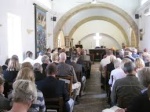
{"type": "Point", "coordinates": [54, 103]}
{"type": "Point", "coordinates": [69, 80]}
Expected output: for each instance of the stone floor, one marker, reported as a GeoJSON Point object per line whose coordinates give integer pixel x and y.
{"type": "Point", "coordinates": [95, 98]}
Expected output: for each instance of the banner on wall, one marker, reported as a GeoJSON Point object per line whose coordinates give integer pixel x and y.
{"type": "Point", "coordinates": [40, 30]}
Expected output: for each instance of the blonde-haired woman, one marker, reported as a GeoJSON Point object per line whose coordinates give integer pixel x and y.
{"type": "Point", "coordinates": [28, 74]}
{"type": "Point", "coordinates": [23, 94]}
{"type": "Point", "coordinates": [139, 63]}
{"type": "Point", "coordinates": [10, 74]}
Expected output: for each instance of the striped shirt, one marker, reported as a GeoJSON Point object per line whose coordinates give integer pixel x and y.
{"type": "Point", "coordinates": [39, 104]}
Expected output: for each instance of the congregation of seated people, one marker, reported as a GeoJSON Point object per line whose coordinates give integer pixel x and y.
{"type": "Point", "coordinates": [126, 79]}
{"type": "Point", "coordinates": [29, 85]}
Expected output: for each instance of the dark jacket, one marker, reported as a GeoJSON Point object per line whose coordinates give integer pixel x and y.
{"type": "Point", "coordinates": [38, 76]}
{"type": "Point", "coordinates": [4, 103]}
{"type": "Point", "coordinates": [4, 67]}
{"type": "Point", "coordinates": [140, 104]}
{"type": "Point", "coordinates": [44, 65]}
{"type": "Point", "coordinates": [53, 88]}
{"type": "Point", "coordinates": [65, 70]}
{"type": "Point", "coordinates": [10, 76]}
{"type": "Point", "coordinates": [124, 90]}
{"type": "Point", "coordinates": [78, 70]}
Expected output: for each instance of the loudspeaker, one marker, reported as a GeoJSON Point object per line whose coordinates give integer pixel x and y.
{"type": "Point", "coordinates": [53, 18]}
{"type": "Point", "coordinates": [137, 16]}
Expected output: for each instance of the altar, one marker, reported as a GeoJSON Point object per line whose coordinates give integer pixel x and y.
{"type": "Point", "coordinates": [97, 54]}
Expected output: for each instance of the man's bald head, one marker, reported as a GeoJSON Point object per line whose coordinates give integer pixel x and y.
{"type": "Point", "coordinates": [62, 57]}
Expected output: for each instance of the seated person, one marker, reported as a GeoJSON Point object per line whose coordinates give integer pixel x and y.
{"type": "Point", "coordinates": [141, 103]}
{"type": "Point", "coordinates": [64, 69]}
{"type": "Point", "coordinates": [10, 74]}
{"type": "Point", "coordinates": [39, 104]}
{"type": "Point", "coordinates": [45, 62]}
{"type": "Point", "coordinates": [126, 89]}
{"type": "Point", "coordinates": [54, 88]}
{"type": "Point", "coordinates": [26, 64]}
{"type": "Point", "coordinates": [4, 102]}
{"type": "Point", "coordinates": [55, 58]}
{"type": "Point", "coordinates": [23, 94]}
{"type": "Point", "coordinates": [38, 72]}
{"type": "Point", "coordinates": [79, 72]}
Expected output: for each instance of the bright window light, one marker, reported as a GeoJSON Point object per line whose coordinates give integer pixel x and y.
{"type": "Point", "coordinates": [143, 1]}
{"type": "Point", "coordinates": [14, 36]}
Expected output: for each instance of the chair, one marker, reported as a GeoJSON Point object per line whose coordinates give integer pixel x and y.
{"type": "Point", "coordinates": [69, 80]}
{"type": "Point", "coordinates": [54, 104]}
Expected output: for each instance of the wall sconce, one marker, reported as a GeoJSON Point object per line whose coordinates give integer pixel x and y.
{"type": "Point", "coordinates": [29, 31]}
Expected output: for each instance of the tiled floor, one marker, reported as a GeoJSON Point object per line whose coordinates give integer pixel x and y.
{"type": "Point", "coordinates": [95, 98]}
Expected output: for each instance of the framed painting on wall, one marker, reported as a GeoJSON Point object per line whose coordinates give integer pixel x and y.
{"type": "Point", "coordinates": [40, 29]}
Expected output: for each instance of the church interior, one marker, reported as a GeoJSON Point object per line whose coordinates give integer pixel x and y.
{"type": "Point", "coordinates": [94, 44]}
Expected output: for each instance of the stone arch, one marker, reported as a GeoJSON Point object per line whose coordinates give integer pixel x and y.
{"type": "Point", "coordinates": [99, 18]}
{"type": "Point", "coordinates": [108, 6]}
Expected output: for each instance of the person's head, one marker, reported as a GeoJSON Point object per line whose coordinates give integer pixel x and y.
{"type": "Point", "coordinates": [24, 92]}
{"type": "Point", "coordinates": [13, 65]}
{"type": "Point", "coordinates": [129, 67]}
{"type": "Point", "coordinates": [45, 59]}
{"type": "Point", "coordinates": [139, 63]}
{"type": "Point", "coordinates": [51, 70]}
{"type": "Point", "coordinates": [41, 53]}
{"type": "Point", "coordinates": [15, 57]}
{"type": "Point", "coordinates": [109, 52]}
{"type": "Point", "coordinates": [145, 50]}
{"type": "Point", "coordinates": [62, 57]}
{"type": "Point", "coordinates": [7, 61]}
{"type": "Point", "coordinates": [26, 74]}
{"type": "Point", "coordinates": [26, 64]}
{"type": "Point", "coordinates": [127, 53]}
{"type": "Point", "coordinates": [29, 54]}
{"type": "Point", "coordinates": [48, 50]}
{"type": "Point", "coordinates": [54, 57]}
{"type": "Point", "coordinates": [37, 67]}
{"type": "Point", "coordinates": [134, 51]}
{"type": "Point", "coordinates": [124, 60]}
{"type": "Point", "coordinates": [1, 84]}
{"type": "Point", "coordinates": [117, 63]}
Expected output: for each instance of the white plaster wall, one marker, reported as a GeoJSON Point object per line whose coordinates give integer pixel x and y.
{"type": "Point", "coordinates": [94, 12]}
{"type": "Point", "coordinates": [105, 41]}
{"type": "Point", "coordinates": [144, 23]}
{"type": "Point", "coordinates": [98, 27]}
{"type": "Point", "coordinates": [62, 6]}
{"type": "Point", "coordinates": [24, 9]}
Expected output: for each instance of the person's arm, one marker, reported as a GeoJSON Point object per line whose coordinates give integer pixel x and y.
{"type": "Point", "coordinates": [114, 94]}
{"type": "Point", "coordinates": [42, 107]}
{"type": "Point", "coordinates": [65, 92]}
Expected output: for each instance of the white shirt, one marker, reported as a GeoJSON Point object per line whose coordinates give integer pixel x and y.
{"type": "Point", "coordinates": [38, 60]}
{"type": "Point", "coordinates": [116, 74]}
{"type": "Point", "coordinates": [29, 60]}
